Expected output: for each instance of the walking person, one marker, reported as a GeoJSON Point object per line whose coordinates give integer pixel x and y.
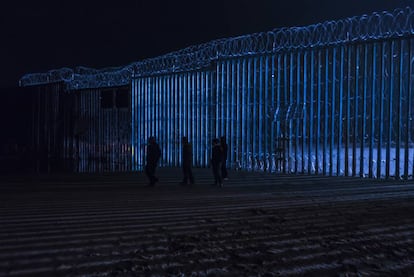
{"type": "Point", "coordinates": [216, 159]}
{"type": "Point", "coordinates": [224, 148]}
{"type": "Point", "coordinates": [153, 156]}
{"type": "Point", "coordinates": [187, 160]}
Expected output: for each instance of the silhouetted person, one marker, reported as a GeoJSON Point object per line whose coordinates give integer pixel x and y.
{"type": "Point", "coordinates": [153, 155]}
{"type": "Point", "coordinates": [216, 159]}
{"type": "Point", "coordinates": [224, 148]}
{"type": "Point", "coordinates": [187, 162]}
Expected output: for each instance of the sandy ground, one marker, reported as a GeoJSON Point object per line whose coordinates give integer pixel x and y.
{"type": "Point", "coordinates": [256, 225]}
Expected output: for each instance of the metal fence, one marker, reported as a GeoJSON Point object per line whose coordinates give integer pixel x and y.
{"type": "Point", "coordinates": [79, 131]}
{"type": "Point", "coordinates": [333, 98]}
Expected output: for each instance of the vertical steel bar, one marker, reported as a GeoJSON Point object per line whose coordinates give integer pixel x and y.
{"type": "Point", "coordinates": [178, 129]}
{"type": "Point", "coordinates": [137, 149]}
{"type": "Point", "coordinates": [141, 110]}
{"type": "Point", "coordinates": [326, 115]}
{"type": "Point", "coordinates": [260, 107]}
{"type": "Point", "coordinates": [373, 101]}
{"type": "Point", "coordinates": [193, 115]}
{"type": "Point", "coordinates": [340, 116]}
{"type": "Point", "coordinates": [272, 128]}
{"type": "Point", "coordinates": [279, 131]}
{"type": "Point", "coordinates": [381, 110]}
{"type": "Point", "coordinates": [181, 79]}
{"type": "Point", "coordinates": [285, 109]}
{"type": "Point", "coordinates": [333, 110]}
{"type": "Point", "coordinates": [244, 116]}
{"type": "Point", "coordinates": [157, 111]}
{"type": "Point", "coordinates": [266, 129]}
{"type": "Point", "coordinates": [238, 110]}
{"type": "Point", "coordinates": [305, 111]}
{"type": "Point", "coordinates": [134, 107]}
{"type": "Point", "coordinates": [163, 122]}
{"type": "Point", "coordinates": [201, 145]}
{"type": "Point", "coordinates": [356, 95]}
{"type": "Point", "coordinates": [364, 114]}
{"type": "Point", "coordinates": [389, 117]}
{"type": "Point", "coordinates": [411, 105]}
{"type": "Point", "coordinates": [139, 123]}
{"type": "Point", "coordinates": [170, 118]}
{"type": "Point", "coordinates": [318, 111]}
{"type": "Point", "coordinates": [399, 110]}
{"type": "Point", "coordinates": [256, 137]}
{"type": "Point", "coordinates": [229, 84]}
{"type": "Point", "coordinates": [208, 115]}
{"type": "Point", "coordinates": [408, 108]}
{"type": "Point", "coordinates": [232, 137]}
{"type": "Point", "coordinates": [218, 85]}
{"type": "Point", "coordinates": [222, 99]}
{"type": "Point", "coordinates": [291, 109]}
{"type": "Point", "coordinates": [249, 149]}
{"type": "Point", "coordinates": [243, 109]}
{"type": "Point", "coordinates": [262, 112]}
{"type": "Point", "coordinates": [297, 114]}
{"type": "Point", "coordinates": [311, 111]}
{"type": "Point", "coordinates": [199, 118]}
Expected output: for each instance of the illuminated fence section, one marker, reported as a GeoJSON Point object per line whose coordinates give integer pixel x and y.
{"type": "Point", "coordinates": [80, 131]}
{"type": "Point", "coordinates": [340, 111]}
{"type": "Point", "coordinates": [363, 110]}
{"type": "Point", "coordinates": [170, 107]}
{"type": "Point", "coordinates": [101, 130]}
{"type": "Point", "coordinates": [244, 95]}
{"type": "Point", "coordinates": [333, 98]}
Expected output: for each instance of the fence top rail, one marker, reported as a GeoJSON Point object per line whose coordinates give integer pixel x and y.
{"type": "Point", "coordinates": [376, 26]}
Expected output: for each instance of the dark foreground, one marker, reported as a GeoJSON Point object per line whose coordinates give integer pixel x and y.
{"type": "Point", "coordinates": [257, 225]}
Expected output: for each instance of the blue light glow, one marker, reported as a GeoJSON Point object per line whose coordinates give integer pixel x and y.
{"type": "Point", "coordinates": [334, 97]}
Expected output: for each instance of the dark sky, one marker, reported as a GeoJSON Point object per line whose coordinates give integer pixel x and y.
{"type": "Point", "coordinates": [41, 35]}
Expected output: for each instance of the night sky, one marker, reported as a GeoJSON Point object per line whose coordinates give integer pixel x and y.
{"type": "Point", "coordinates": [41, 35]}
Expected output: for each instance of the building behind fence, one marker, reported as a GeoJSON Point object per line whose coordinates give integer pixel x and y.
{"type": "Point", "coordinates": [333, 98]}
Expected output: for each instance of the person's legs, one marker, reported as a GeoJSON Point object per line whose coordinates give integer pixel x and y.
{"type": "Point", "coordinates": [190, 175]}
{"type": "Point", "coordinates": [185, 175]}
{"type": "Point", "coordinates": [155, 179]}
{"type": "Point", "coordinates": [216, 173]}
{"type": "Point", "coordinates": [150, 170]}
{"type": "Point", "coordinates": [213, 167]}
{"type": "Point", "coordinates": [224, 173]}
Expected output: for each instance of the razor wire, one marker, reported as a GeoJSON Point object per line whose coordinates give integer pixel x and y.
{"type": "Point", "coordinates": [377, 26]}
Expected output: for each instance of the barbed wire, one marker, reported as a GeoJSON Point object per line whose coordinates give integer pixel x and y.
{"type": "Point", "coordinates": [377, 26]}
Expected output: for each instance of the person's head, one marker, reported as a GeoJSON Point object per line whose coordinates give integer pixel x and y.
{"type": "Point", "coordinates": [185, 140]}
{"type": "Point", "coordinates": [215, 141]}
{"type": "Point", "coordinates": [151, 140]}
{"type": "Point", "coordinates": [223, 139]}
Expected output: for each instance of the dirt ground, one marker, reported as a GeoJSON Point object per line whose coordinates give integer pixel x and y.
{"type": "Point", "coordinates": [258, 224]}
